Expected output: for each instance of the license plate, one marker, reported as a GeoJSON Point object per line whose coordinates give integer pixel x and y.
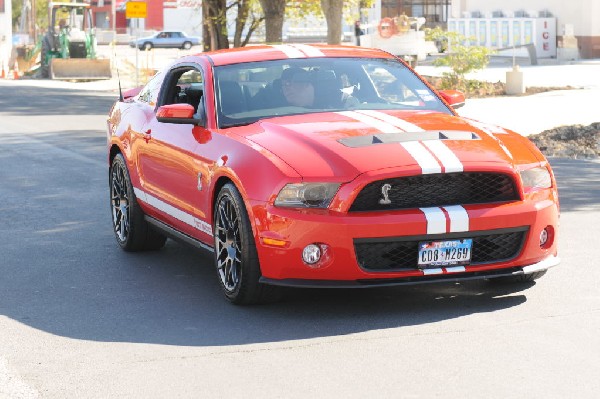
{"type": "Point", "coordinates": [445, 253]}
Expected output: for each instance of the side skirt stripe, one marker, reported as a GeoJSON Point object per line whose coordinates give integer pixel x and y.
{"type": "Point", "coordinates": [172, 211]}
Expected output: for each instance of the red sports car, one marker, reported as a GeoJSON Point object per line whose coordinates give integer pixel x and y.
{"type": "Point", "coordinates": [325, 166]}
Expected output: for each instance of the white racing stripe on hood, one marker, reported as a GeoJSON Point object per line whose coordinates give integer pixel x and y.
{"type": "Point", "coordinates": [289, 51]}
{"type": "Point", "coordinates": [423, 153]}
{"type": "Point", "coordinates": [426, 161]}
{"type": "Point", "coordinates": [392, 120]}
{"type": "Point", "coordinates": [448, 159]}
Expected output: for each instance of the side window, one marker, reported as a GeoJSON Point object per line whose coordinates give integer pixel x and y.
{"type": "Point", "coordinates": [185, 85]}
{"type": "Point", "coordinates": [149, 93]}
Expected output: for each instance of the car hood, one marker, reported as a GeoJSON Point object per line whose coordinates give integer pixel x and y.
{"type": "Point", "coordinates": [343, 145]}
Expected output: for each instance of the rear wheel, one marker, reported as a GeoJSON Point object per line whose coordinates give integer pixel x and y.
{"type": "Point", "coordinates": [132, 232]}
{"type": "Point", "coordinates": [147, 46]}
{"type": "Point", "coordinates": [236, 258]}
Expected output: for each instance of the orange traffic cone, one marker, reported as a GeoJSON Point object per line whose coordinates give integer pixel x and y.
{"type": "Point", "coordinates": [16, 70]}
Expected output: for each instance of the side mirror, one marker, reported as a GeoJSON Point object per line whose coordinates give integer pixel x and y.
{"type": "Point", "coordinates": [176, 113]}
{"type": "Point", "coordinates": [454, 98]}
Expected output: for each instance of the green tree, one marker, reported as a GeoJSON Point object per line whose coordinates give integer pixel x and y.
{"type": "Point", "coordinates": [214, 29]}
{"type": "Point", "coordinates": [333, 10]}
{"type": "Point", "coordinates": [249, 14]}
{"type": "Point", "coordinates": [333, 15]}
{"type": "Point", "coordinates": [461, 57]}
{"type": "Point", "coordinates": [41, 15]}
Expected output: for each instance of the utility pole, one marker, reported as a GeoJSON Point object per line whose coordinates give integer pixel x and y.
{"type": "Point", "coordinates": [33, 22]}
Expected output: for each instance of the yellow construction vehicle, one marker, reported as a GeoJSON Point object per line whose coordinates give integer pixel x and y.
{"type": "Point", "coordinates": [68, 49]}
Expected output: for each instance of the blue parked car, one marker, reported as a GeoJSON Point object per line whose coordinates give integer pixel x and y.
{"type": "Point", "coordinates": [166, 39]}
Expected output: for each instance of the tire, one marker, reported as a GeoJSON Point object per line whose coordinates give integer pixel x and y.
{"type": "Point", "coordinates": [187, 46]}
{"type": "Point", "coordinates": [236, 259]}
{"type": "Point", "coordinates": [132, 232]}
{"type": "Point", "coordinates": [147, 46]}
{"type": "Point", "coordinates": [522, 278]}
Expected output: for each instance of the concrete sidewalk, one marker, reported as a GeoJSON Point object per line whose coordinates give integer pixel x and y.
{"type": "Point", "coordinates": [531, 114]}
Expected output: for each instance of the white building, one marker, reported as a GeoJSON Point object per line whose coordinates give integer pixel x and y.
{"type": "Point", "coordinates": [577, 21]}
{"type": "Point", "coordinates": [578, 18]}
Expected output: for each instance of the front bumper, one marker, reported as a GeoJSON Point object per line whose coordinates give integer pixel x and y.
{"type": "Point", "coordinates": [446, 276]}
{"type": "Point", "coordinates": [340, 231]}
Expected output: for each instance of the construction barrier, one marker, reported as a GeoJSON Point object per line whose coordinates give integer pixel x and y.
{"type": "Point", "coordinates": [16, 71]}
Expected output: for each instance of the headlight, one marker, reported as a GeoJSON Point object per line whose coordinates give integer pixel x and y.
{"type": "Point", "coordinates": [307, 195]}
{"type": "Point", "coordinates": [536, 178]}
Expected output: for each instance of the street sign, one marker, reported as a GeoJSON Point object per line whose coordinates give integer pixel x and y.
{"type": "Point", "coordinates": [135, 9]}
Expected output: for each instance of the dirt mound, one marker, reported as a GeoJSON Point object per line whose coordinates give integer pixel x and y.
{"type": "Point", "coordinates": [574, 141]}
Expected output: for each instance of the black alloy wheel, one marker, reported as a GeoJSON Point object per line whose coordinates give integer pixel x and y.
{"type": "Point", "coordinates": [236, 258]}
{"type": "Point", "coordinates": [132, 232]}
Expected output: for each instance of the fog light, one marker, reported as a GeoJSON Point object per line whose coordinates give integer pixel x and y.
{"type": "Point", "coordinates": [544, 237]}
{"type": "Point", "coordinates": [311, 254]}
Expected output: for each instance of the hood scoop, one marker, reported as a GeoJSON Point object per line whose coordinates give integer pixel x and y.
{"type": "Point", "coordinates": [386, 138]}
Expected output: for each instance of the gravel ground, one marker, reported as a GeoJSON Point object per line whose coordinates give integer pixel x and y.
{"type": "Point", "coordinates": [574, 141]}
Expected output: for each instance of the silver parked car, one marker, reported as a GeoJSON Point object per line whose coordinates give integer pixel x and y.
{"type": "Point", "coordinates": [166, 39]}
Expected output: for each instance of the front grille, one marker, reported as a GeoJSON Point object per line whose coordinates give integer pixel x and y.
{"type": "Point", "coordinates": [402, 253]}
{"type": "Point", "coordinates": [436, 190]}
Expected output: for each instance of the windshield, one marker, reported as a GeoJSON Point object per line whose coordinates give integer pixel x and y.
{"type": "Point", "coordinates": [251, 91]}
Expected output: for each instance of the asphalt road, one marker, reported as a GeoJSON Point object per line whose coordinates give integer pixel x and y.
{"type": "Point", "coordinates": [79, 318]}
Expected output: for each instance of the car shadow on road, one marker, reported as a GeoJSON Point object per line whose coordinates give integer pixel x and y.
{"type": "Point", "coordinates": [172, 297]}
{"type": "Point", "coordinates": [63, 273]}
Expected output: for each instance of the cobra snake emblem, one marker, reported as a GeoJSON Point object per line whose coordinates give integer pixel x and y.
{"type": "Point", "coordinates": [385, 190]}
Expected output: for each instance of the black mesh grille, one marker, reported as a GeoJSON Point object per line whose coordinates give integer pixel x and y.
{"type": "Point", "coordinates": [393, 255]}
{"type": "Point", "coordinates": [437, 190]}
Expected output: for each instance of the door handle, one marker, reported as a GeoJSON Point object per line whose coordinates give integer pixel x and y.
{"type": "Point", "coordinates": [148, 135]}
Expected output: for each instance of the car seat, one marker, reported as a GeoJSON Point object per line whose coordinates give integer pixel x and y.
{"type": "Point", "coordinates": [231, 97]}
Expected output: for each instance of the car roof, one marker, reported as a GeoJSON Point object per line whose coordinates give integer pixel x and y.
{"type": "Point", "coordinates": [284, 51]}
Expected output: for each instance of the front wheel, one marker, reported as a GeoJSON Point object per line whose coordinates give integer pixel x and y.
{"type": "Point", "coordinates": [187, 45]}
{"type": "Point", "coordinates": [132, 232]}
{"type": "Point", "coordinates": [236, 258]}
